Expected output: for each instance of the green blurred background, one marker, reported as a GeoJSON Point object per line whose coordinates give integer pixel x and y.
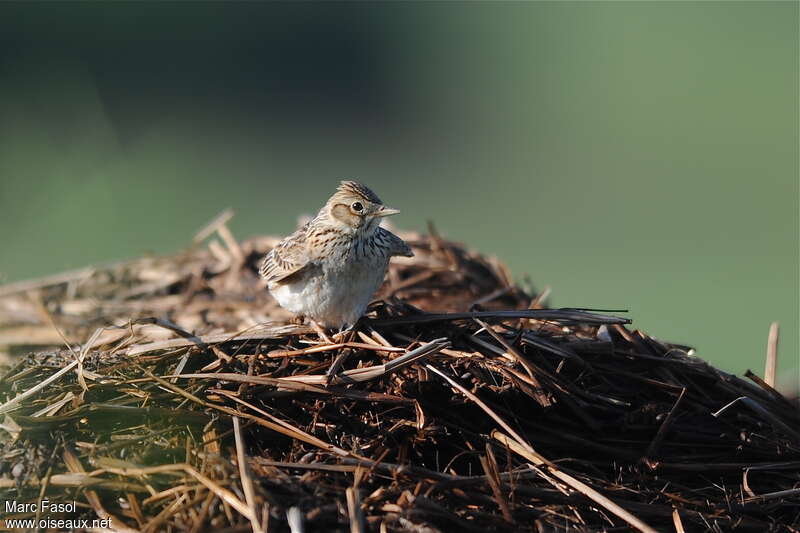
{"type": "Point", "coordinates": [629, 155]}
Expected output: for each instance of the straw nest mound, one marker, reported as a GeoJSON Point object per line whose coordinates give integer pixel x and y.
{"type": "Point", "coordinates": [187, 401]}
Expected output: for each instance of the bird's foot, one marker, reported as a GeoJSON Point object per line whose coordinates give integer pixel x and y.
{"type": "Point", "coordinates": [346, 332]}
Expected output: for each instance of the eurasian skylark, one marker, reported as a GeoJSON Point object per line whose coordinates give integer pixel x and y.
{"type": "Point", "coordinates": [329, 269]}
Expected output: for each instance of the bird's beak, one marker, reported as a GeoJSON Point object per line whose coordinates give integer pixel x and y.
{"type": "Point", "coordinates": [386, 212]}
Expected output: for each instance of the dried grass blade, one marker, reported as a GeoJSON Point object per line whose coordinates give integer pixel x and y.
{"type": "Point", "coordinates": [354, 510]}
{"type": "Point", "coordinates": [662, 432]}
{"type": "Point", "coordinates": [206, 231]}
{"type": "Point", "coordinates": [74, 465]}
{"type": "Point", "coordinates": [677, 522]}
{"type": "Point", "coordinates": [82, 356]}
{"type": "Point", "coordinates": [758, 409]}
{"type": "Point", "coordinates": [283, 427]}
{"type": "Point", "coordinates": [296, 520]}
{"type": "Point", "coordinates": [517, 444]}
{"type": "Point", "coordinates": [329, 347]}
{"type": "Point", "coordinates": [489, 465]}
{"type": "Point", "coordinates": [480, 404]}
{"type": "Point", "coordinates": [14, 402]}
{"type": "Point", "coordinates": [224, 494]}
{"type": "Point", "coordinates": [376, 371]}
{"type": "Point", "coordinates": [510, 350]}
{"type": "Point", "coordinates": [265, 333]}
{"type": "Point", "coordinates": [776, 394]}
{"type": "Point", "coordinates": [286, 383]}
{"type": "Point", "coordinates": [244, 475]}
{"type": "Point", "coordinates": [565, 315]}
{"type": "Point", "coordinates": [777, 494]}
{"type": "Point", "coordinates": [525, 451]}
{"type": "Point", "coordinates": [47, 281]}
{"type": "Point", "coordinates": [771, 364]}
{"type": "Point", "coordinates": [53, 408]}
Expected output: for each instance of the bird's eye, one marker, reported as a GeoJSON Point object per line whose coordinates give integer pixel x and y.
{"type": "Point", "coordinates": [357, 207]}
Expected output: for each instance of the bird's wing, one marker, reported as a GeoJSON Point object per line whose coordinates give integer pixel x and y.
{"type": "Point", "coordinates": [289, 257]}
{"type": "Point", "coordinates": [397, 246]}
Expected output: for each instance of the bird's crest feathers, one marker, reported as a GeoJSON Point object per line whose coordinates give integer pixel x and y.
{"type": "Point", "coordinates": [353, 188]}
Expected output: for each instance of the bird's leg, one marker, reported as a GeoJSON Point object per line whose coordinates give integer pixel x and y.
{"type": "Point", "coordinates": [298, 320]}
{"type": "Point", "coordinates": [336, 364]}
{"type": "Point", "coordinates": [340, 336]}
{"type": "Point", "coordinates": [320, 331]}
{"type": "Point", "coordinates": [345, 335]}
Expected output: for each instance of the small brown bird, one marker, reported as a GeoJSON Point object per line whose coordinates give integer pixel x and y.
{"type": "Point", "coordinates": [329, 269]}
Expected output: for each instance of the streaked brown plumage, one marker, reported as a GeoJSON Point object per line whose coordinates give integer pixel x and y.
{"type": "Point", "coordinates": [329, 269]}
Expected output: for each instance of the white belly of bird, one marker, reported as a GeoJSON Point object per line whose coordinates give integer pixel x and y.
{"type": "Point", "coordinates": [336, 294]}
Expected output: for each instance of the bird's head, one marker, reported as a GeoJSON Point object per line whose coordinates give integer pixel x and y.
{"type": "Point", "coordinates": [355, 208]}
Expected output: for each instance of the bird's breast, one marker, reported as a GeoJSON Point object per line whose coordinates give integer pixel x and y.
{"type": "Point", "coordinates": [339, 286]}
